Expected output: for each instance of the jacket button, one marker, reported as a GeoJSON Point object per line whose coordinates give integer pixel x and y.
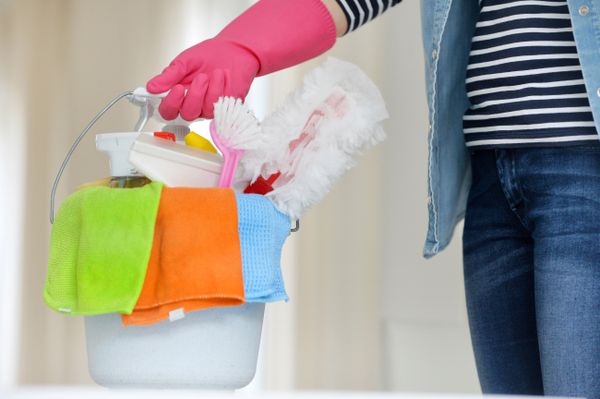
{"type": "Point", "coordinates": [584, 10]}
{"type": "Point", "coordinates": [598, 92]}
{"type": "Point", "coordinates": [434, 54]}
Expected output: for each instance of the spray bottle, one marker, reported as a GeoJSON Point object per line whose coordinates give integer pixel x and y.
{"type": "Point", "coordinates": [136, 156]}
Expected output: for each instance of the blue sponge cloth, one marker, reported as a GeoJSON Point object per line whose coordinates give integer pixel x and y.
{"type": "Point", "coordinates": [262, 230]}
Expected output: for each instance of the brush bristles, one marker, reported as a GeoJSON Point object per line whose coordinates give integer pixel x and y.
{"type": "Point", "coordinates": [237, 125]}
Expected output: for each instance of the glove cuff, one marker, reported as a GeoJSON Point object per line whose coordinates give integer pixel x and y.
{"type": "Point", "coordinates": [283, 33]}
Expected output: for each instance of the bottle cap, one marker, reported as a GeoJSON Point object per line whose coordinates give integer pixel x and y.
{"type": "Point", "coordinates": [165, 135]}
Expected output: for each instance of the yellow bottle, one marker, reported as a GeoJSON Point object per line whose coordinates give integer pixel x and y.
{"type": "Point", "coordinates": [194, 140]}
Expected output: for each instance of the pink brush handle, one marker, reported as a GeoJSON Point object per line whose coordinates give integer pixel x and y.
{"type": "Point", "coordinates": [229, 170]}
{"type": "Point", "coordinates": [223, 177]}
{"type": "Point", "coordinates": [231, 158]}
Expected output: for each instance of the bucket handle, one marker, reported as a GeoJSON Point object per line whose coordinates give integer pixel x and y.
{"type": "Point", "coordinates": [65, 161]}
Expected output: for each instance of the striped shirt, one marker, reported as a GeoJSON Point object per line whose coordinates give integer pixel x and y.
{"type": "Point", "coordinates": [524, 80]}
{"type": "Point", "coordinates": [359, 12]}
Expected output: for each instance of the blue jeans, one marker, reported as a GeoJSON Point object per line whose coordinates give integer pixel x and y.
{"type": "Point", "coordinates": [531, 252]}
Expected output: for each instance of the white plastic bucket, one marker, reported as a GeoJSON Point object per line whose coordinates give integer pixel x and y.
{"type": "Point", "coordinates": [215, 348]}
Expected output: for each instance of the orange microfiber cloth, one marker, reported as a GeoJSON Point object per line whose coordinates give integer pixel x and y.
{"type": "Point", "coordinates": [196, 260]}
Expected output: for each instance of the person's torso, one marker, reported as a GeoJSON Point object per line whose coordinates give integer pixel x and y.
{"type": "Point", "coordinates": [524, 80]}
{"type": "Point", "coordinates": [447, 28]}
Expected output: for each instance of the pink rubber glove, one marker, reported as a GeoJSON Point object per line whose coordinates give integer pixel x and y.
{"type": "Point", "coordinates": [269, 36]}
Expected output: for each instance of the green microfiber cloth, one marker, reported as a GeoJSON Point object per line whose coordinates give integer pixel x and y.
{"type": "Point", "coordinates": [99, 249]}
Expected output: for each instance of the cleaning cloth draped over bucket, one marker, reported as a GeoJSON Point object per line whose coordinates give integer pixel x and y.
{"type": "Point", "coordinates": [196, 258]}
{"type": "Point", "coordinates": [263, 231]}
{"type": "Point", "coordinates": [99, 249]}
{"type": "Point", "coordinates": [148, 252]}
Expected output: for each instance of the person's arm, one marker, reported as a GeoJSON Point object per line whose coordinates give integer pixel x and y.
{"type": "Point", "coordinates": [339, 18]}
{"type": "Point", "coordinates": [269, 36]}
{"type": "Point", "coordinates": [356, 13]}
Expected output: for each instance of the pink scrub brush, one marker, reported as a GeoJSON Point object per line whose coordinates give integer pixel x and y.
{"type": "Point", "coordinates": [234, 130]}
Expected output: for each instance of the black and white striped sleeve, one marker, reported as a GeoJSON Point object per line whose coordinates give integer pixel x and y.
{"type": "Point", "coordinates": [359, 12]}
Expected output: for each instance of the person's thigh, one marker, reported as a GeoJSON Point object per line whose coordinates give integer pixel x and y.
{"type": "Point", "coordinates": [499, 286]}
{"type": "Point", "coordinates": [563, 187]}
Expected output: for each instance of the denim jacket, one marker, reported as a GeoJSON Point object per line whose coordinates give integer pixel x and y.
{"type": "Point", "coordinates": [448, 26]}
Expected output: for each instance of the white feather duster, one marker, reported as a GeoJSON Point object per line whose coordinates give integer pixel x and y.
{"type": "Point", "coordinates": [315, 134]}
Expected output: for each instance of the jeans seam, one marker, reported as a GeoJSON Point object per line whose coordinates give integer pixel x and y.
{"type": "Point", "coordinates": [517, 186]}
{"type": "Point", "coordinates": [504, 183]}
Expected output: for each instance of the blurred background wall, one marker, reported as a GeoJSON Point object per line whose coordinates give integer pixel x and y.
{"type": "Point", "coordinates": [367, 312]}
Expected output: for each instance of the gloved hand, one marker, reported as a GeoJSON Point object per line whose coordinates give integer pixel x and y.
{"type": "Point", "coordinates": [269, 36]}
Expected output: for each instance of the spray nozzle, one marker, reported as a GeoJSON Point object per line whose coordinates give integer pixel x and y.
{"type": "Point", "coordinates": [148, 103]}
